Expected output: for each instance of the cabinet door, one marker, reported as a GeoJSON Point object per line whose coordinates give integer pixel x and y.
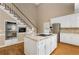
{"type": "Point", "coordinates": [30, 46]}
{"type": "Point", "coordinates": [2, 39]}
{"type": "Point", "coordinates": [41, 47]}
{"type": "Point", "coordinates": [53, 43]}
{"type": "Point", "coordinates": [48, 46]}
{"type": "Point", "coordinates": [77, 20]}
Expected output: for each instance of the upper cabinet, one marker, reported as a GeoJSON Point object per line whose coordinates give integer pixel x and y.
{"type": "Point", "coordinates": [69, 21]}
{"type": "Point", "coordinates": [76, 7]}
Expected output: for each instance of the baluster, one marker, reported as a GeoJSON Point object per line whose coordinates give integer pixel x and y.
{"type": "Point", "coordinates": [6, 7]}
{"type": "Point", "coordinates": [10, 10]}
{"type": "Point", "coordinates": [3, 4]}
{"type": "Point", "coordinates": [14, 13]}
{"type": "Point", "coordinates": [18, 17]}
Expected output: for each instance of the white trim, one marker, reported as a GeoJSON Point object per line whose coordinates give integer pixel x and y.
{"type": "Point", "coordinates": [11, 44]}
{"type": "Point", "coordinates": [11, 15]}
{"type": "Point", "coordinates": [7, 11]}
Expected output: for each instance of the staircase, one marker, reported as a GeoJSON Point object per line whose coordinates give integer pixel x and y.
{"type": "Point", "coordinates": [12, 10]}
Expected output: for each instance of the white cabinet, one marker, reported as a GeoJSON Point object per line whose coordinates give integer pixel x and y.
{"type": "Point", "coordinates": [40, 47]}
{"type": "Point", "coordinates": [76, 8]}
{"type": "Point", "coordinates": [48, 46]}
{"type": "Point", "coordinates": [67, 21]}
{"type": "Point", "coordinates": [30, 46]}
{"type": "Point", "coordinates": [77, 20]}
{"type": "Point", "coordinates": [53, 42]}
{"type": "Point", "coordinates": [70, 38]}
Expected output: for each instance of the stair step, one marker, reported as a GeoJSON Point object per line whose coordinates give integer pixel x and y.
{"type": "Point", "coordinates": [12, 13]}
{"type": "Point", "coordinates": [2, 7]}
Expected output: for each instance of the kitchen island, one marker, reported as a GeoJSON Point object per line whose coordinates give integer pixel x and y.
{"type": "Point", "coordinates": [40, 45]}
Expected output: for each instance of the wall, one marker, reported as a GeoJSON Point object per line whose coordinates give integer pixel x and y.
{"type": "Point", "coordinates": [37, 14]}
{"type": "Point", "coordinates": [47, 11]}
{"type": "Point", "coordinates": [44, 12]}
{"type": "Point", "coordinates": [3, 18]}
{"type": "Point", "coordinates": [29, 10]}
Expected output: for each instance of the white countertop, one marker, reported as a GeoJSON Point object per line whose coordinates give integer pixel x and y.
{"type": "Point", "coordinates": [38, 38]}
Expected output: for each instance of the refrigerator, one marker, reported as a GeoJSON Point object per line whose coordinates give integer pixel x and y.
{"type": "Point", "coordinates": [56, 30]}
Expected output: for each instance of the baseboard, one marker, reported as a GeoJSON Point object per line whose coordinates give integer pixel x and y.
{"type": "Point", "coordinates": [52, 53]}
{"type": "Point", "coordinates": [11, 44]}
{"type": "Point", "coordinates": [69, 44]}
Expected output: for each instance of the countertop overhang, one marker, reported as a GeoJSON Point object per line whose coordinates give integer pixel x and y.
{"type": "Point", "coordinates": [38, 38]}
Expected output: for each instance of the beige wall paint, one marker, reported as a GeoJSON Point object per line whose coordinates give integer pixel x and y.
{"type": "Point", "coordinates": [44, 12]}
{"type": "Point", "coordinates": [29, 10]}
{"type": "Point", "coordinates": [50, 10]}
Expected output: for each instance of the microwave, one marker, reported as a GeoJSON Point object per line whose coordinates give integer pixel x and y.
{"type": "Point", "coordinates": [22, 29]}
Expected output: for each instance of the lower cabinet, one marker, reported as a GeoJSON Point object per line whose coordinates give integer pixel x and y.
{"type": "Point", "coordinates": [48, 46]}
{"type": "Point", "coordinates": [30, 47]}
{"type": "Point", "coordinates": [70, 38]}
{"type": "Point", "coordinates": [53, 43]}
{"type": "Point", "coordinates": [2, 40]}
{"type": "Point", "coordinates": [42, 47]}
{"type": "Point", "coordinates": [21, 36]}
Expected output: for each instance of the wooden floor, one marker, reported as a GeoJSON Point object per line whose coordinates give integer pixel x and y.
{"type": "Point", "coordinates": [62, 49]}
{"type": "Point", "coordinates": [66, 49]}
{"type": "Point", "coordinates": [17, 49]}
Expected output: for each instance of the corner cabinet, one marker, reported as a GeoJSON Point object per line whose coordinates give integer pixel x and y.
{"type": "Point", "coordinates": [40, 47]}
